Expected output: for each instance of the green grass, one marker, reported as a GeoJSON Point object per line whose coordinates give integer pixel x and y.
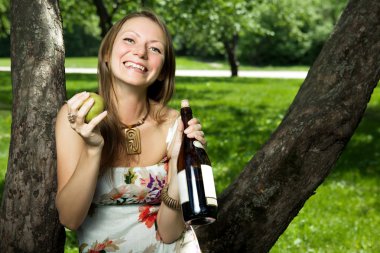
{"type": "Point", "coordinates": [5, 62]}
{"type": "Point", "coordinates": [181, 62]}
{"type": "Point", "coordinates": [238, 116]}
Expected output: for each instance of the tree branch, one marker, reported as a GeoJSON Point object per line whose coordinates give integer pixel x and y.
{"type": "Point", "coordinates": [257, 208]}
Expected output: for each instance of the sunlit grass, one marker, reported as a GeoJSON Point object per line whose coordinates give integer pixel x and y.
{"type": "Point", "coordinates": [238, 116]}
{"type": "Point", "coordinates": [5, 62]}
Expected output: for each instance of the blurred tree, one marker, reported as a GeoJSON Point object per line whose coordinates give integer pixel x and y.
{"type": "Point", "coordinates": [28, 217]}
{"type": "Point", "coordinates": [80, 25]}
{"type": "Point", "coordinates": [105, 15]}
{"type": "Point", "coordinates": [297, 28]}
{"type": "Point", "coordinates": [207, 27]}
{"type": "Point", "coordinates": [274, 32]}
{"type": "Point", "coordinates": [86, 22]}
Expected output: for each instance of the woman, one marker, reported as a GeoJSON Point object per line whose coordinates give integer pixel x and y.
{"type": "Point", "coordinates": [109, 179]}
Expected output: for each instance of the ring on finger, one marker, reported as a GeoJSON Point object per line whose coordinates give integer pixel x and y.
{"type": "Point", "coordinates": [71, 117]}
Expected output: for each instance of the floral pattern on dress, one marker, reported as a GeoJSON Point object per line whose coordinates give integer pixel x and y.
{"type": "Point", "coordinates": [106, 246]}
{"type": "Point", "coordinates": [148, 215]}
{"type": "Point", "coordinates": [134, 226]}
{"type": "Point", "coordinates": [140, 186]}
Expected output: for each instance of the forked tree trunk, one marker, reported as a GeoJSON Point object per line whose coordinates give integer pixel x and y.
{"type": "Point", "coordinates": [257, 208]}
{"type": "Point", "coordinates": [28, 217]}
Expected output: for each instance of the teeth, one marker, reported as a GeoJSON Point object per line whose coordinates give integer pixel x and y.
{"type": "Point", "coordinates": [134, 65]}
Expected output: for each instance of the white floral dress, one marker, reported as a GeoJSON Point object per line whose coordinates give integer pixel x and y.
{"type": "Point", "coordinates": [122, 217]}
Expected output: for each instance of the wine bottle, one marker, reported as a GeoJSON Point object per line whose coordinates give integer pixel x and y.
{"type": "Point", "coordinates": [195, 178]}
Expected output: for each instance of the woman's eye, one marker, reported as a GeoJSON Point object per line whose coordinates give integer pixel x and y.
{"type": "Point", "coordinates": [130, 41]}
{"type": "Point", "coordinates": [156, 50]}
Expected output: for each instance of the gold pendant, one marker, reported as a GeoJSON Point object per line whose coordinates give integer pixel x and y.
{"type": "Point", "coordinates": [133, 141]}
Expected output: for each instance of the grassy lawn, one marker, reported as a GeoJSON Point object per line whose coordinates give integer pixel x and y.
{"type": "Point", "coordinates": [238, 116]}
{"type": "Point", "coordinates": [182, 63]}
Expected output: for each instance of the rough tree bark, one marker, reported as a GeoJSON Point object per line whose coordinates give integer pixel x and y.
{"type": "Point", "coordinates": [257, 208]}
{"type": "Point", "coordinates": [28, 217]}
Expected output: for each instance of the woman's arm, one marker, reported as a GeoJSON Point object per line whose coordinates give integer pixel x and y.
{"type": "Point", "coordinates": [79, 148]}
{"type": "Point", "coordinates": [170, 221]}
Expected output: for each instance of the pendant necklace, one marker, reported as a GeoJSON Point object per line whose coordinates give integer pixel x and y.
{"type": "Point", "coordinates": [132, 134]}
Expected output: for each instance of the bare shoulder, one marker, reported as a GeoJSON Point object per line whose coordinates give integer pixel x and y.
{"type": "Point", "coordinates": [62, 116]}
{"type": "Point", "coordinates": [172, 115]}
{"type": "Point", "coordinates": [167, 115]}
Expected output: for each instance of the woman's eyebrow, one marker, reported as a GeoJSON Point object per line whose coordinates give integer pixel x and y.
{"type": "Point", "coordinates": [138, 35]}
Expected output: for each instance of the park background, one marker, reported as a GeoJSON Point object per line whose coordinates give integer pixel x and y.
{"type": "Point", "coordinates": [239, 114]}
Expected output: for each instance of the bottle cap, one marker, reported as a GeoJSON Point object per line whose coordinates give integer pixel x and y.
{"type": "Point", "coordinates": [185, 103]}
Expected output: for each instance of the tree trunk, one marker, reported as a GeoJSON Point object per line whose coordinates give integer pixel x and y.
{"type": "Point", "coordinates": [230, 47]}
{"type": "Point", "coordinates": [105, 19]}
{"type": "Point", "coordinates": [257, 208]}
{"type": "Point", "coordinates": [28, 217]}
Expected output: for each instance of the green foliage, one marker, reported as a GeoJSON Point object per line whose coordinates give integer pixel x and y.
{"type": "Point", "coordinates": [238, 115]}
{"type": "Point", "coordinates": [200, 27]}
{"type": "Point", "coordinates": [4, 18]}
{"type": "Point", "coordinates": [81, 33]}
{"type": "Point", "coordinates": [298, 30]}
{"type": "Point", "coordinates": [79, 42]}
{"type": "Point", "coordinates": [4, 28]}
{"type": "Point", "coordinates": [276, 32]}
{"type": "Point", "coordinates": [79, 13]}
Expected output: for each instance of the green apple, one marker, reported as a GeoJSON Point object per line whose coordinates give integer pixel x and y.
{"type": "Point", "coordinates": [97, 107]}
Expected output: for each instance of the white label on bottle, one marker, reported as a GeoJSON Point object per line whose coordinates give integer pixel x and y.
{"type": "Point", "coordinates": [182, 184]}
{"type": "Point", "coordinates": [197, 208]}
{"type": "Point", "coordinates": [211, 202]}
{"type": "Point", "coordinates": [198, 144]}
{"type": "Point", "coordinates": [209, 184]}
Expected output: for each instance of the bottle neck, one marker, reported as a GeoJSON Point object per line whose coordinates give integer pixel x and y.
{"type": "Point", "coordinates": [186, 115]}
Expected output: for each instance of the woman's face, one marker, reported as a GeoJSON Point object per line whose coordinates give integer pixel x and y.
{"type": "Point", "coordinates": [138, 52]}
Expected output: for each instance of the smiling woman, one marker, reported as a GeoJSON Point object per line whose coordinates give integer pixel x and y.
{"type": "Point", "coordinates": [138, 53]}
{"type": "Point", "coordinates": [111, 170]}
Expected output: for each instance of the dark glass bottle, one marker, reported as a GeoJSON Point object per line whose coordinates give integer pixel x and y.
{"type": "Point", "coordinates": [195, 178]}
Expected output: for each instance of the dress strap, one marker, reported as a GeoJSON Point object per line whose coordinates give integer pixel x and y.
{"type": "Point", "coordinates": [171, 132]}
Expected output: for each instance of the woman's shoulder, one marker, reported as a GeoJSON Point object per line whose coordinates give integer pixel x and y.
{"type": "Point", "coordinates": [62, 114]}
{"type": "Point", "coordinates": [172, 114]}
{"type": "Point", "coordinates": [171, 117]}
{"type": "Point", "coordinates": [167, 115]}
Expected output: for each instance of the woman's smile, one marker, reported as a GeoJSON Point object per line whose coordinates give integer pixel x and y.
{"type": "Point", "coordinates": [136, 66]}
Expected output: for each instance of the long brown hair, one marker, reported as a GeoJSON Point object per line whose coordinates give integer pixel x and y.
{"type": "Point", "coordinates": [160, 91]}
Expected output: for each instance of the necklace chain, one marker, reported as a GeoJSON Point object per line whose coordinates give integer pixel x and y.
{"type": "Point", "coordinates": [139, 123]}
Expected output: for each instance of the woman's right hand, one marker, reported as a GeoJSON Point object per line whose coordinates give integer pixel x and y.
{"type": "Point", "coordinates": [78, 106]}
{"type": "Point", "coordinates": [79, 146]}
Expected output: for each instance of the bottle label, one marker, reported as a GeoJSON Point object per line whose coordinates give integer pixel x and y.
{"type": "Point", "coordinates": [182, 184]}
{"type": "Point", "coordinates": [196, 204]}
{"type": "Point", "coordinates": [209, 184]}
{"type": "Point", "coordinates": [198, 144]}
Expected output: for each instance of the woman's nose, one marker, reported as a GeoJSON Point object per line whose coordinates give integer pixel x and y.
{"type": "Point", "coordinates": [140, 51]}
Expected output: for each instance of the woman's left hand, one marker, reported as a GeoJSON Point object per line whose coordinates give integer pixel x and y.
{"type": "Point", "coordinates": [193, 131]}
